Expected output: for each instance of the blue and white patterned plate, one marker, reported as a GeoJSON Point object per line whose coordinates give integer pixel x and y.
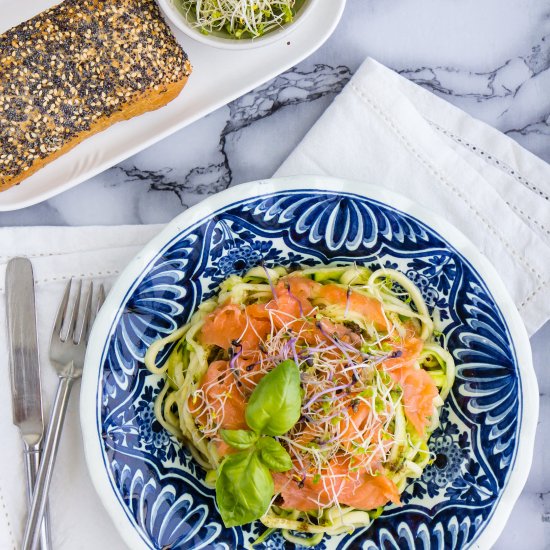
{"type": "Point", "coordinates": [149, 483]}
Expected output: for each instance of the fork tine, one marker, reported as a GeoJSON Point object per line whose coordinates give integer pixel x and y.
{"type": "Point", "coordinates": [74, 314]}
{"type": "Point", "coordinates": [87, 316]}
{"type": "Point", "coordinates": [100, 298]}
{"type": "Point", "coordinates": [61, 312]}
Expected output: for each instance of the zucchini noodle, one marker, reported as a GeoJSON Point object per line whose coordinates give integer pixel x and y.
{"type": "Point", "coordinates": [373, 378]}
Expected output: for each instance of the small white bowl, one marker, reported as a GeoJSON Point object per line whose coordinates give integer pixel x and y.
{"type": "Point", "coordinates": [180, 21]}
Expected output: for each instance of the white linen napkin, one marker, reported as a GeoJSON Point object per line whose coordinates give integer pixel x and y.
{"type": "Point", "coordinates": [381, 129]}
{"type": "Point", "coordinates": [385, 130]}
{"type": "Point", "coordinates": [78, 518]}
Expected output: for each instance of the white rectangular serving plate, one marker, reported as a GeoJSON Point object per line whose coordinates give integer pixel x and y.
{"type": "Point", "coordinates": [219, 76]}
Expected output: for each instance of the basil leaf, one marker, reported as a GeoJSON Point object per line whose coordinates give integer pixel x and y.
{"type": "Point", "coordinates": [244, 489]}
{"type": "Point", "coordinates": [239, 439]}
{"type": "Point", "coordinates": [274, 406]}
{"type": "Point", "coordinates": [274, 455]}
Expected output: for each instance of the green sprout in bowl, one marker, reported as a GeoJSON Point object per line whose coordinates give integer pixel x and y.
{"type": "Point", "coordinates": [239, 18]}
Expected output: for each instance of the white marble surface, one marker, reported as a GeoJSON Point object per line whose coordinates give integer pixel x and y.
{"type": "Point", "coordinates": [491, 58]}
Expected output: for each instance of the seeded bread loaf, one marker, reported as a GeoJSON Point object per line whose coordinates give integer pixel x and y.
{"type": "Point", "coordinates": [74, 70]}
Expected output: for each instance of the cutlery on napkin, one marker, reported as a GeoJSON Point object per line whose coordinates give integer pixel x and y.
{"type": "Point", "coordinates": [26, 389]}
{"type": "Point", "coordinates": [403, 138]}
{"type": "Point", "coordinates": [78, 518]}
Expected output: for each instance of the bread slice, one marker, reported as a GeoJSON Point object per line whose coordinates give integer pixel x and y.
{"type": "Point", "coordinates": [74, 70]}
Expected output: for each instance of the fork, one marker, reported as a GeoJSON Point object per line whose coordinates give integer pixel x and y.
{"type": "Point", "coordinates": [67, 354]}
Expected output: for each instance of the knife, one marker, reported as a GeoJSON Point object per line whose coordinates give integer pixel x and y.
{"type": "Point", "coordinates": [25, 371]}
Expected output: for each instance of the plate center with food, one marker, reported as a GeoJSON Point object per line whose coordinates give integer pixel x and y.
{"type": "Point", "coordinates": [308, 365]}
{"type": "Point", "coordinates": [307, 395]}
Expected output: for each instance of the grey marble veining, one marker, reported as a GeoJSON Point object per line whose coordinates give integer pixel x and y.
{"type": "Point", "coordinates": [490, 58]}
{"type": "Point", "coordinates": [506, 97]}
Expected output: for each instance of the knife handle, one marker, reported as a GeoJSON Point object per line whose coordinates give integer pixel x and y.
{"type": "Point", "coordinates": [32, 455]}
{"type": "Point", "coordinates": [44, 476]}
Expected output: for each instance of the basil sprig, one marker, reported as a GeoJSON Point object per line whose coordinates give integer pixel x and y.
{"type": "Point", "coordinates": [244, 485]}
{"type": "Point", "coordinates": [274, 406]}
{"type": "Point", "coordinates": [243, 489]}
{"type": "Point", "coordinates": [274, 455]}
{"type": "Point", "coordinates": [239, 439]}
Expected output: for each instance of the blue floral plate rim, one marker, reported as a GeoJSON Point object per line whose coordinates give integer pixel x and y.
{"type": "Point", "coordinates": [126, 282]}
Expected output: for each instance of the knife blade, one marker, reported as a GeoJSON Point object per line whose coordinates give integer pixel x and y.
{"type": "Point", "coordinates": [25, 369]}
{"type": "Point", "coordinates": [23, 344]}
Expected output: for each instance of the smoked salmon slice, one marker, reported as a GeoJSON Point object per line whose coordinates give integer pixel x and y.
{"type": "Point", "coordinates": [419, 392]}
{"type": "Point", "coordinates": [369, 308]}
{"type": "Point", "coordinates": [353, 488]}
{"type": "Point", "coordinates": [408, 352]}
{"type": "Point", "coordinates": [223, 326]}
{"type": "Point", "coordinates": [291, 300]}
{"type": "Point", "coordinates": [360, 425]}
{"type": "Point", "coordinates": [220, 399]}
{"type": "Point", "coordinates": [370, 492]}
{"type": "Point", "coordinates": [229, 325]}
